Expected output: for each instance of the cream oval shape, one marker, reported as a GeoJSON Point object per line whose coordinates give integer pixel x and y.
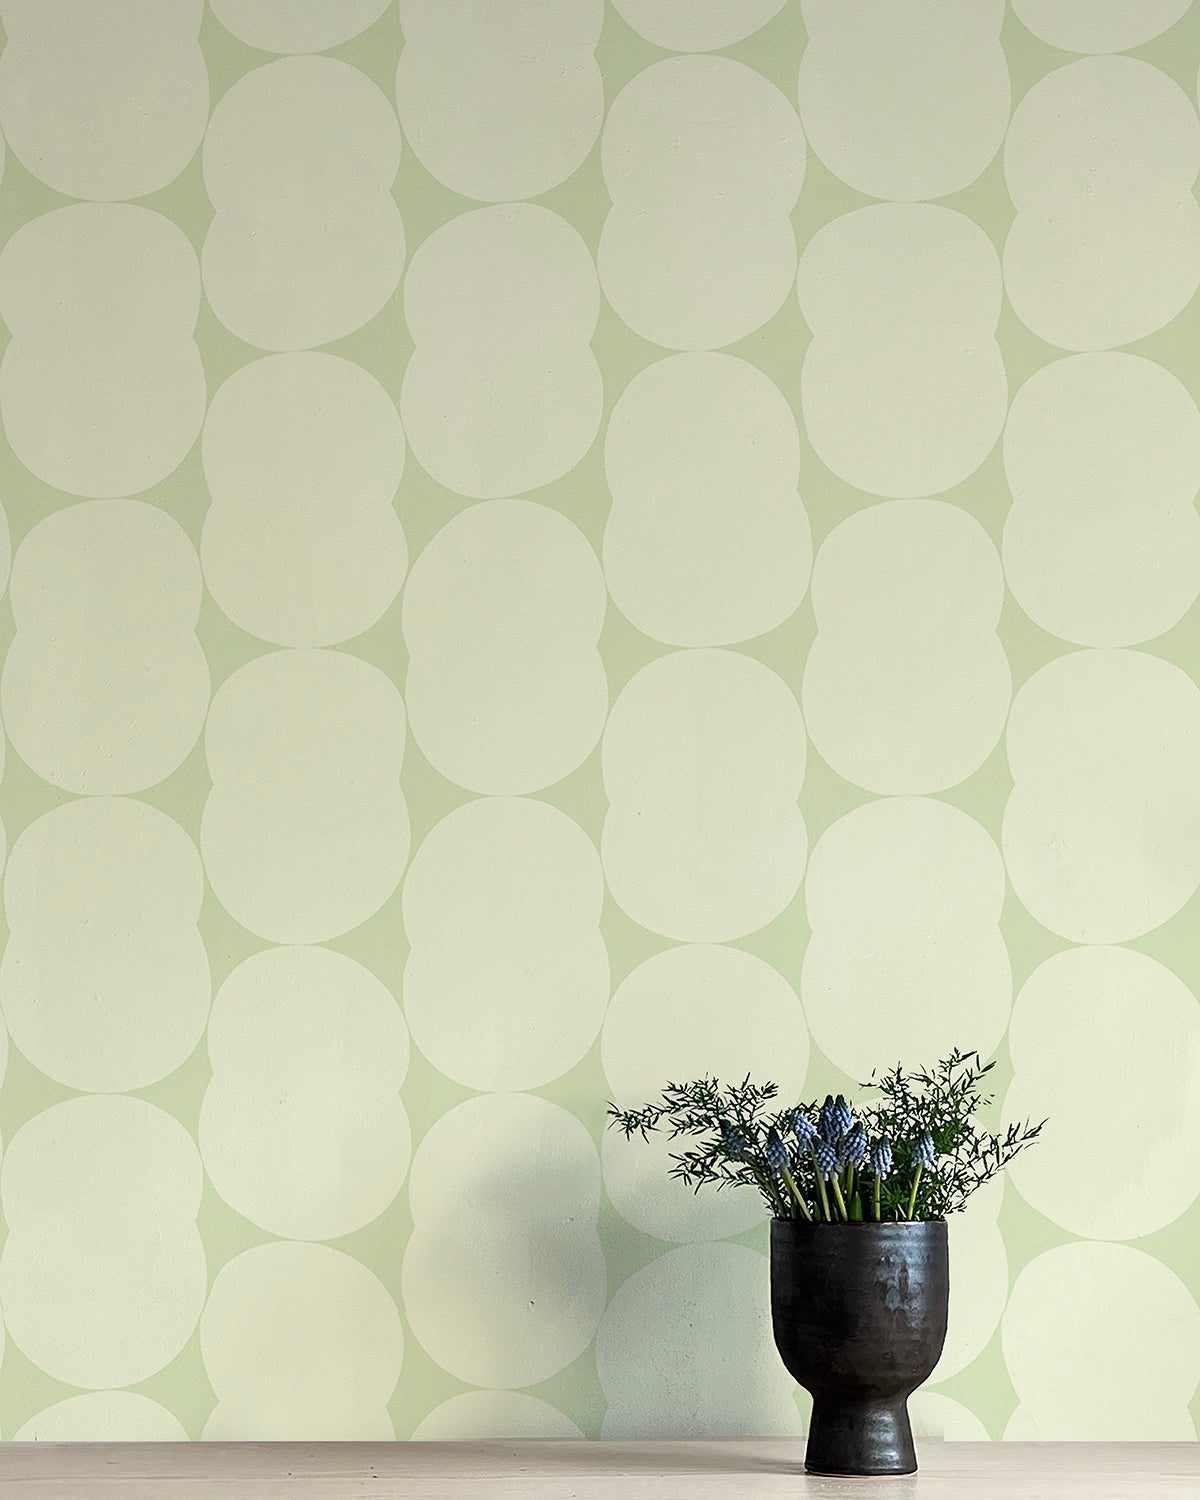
{"type": "Point", "coordinates": [703, 759]}
{"type": "Point", "coordinates": [904, 896]}
{"type": "Point", "coordinates": [1100, 159]}
{"type": "Point", "coordinates": [507, 1415]}
{"type": "Point", "coordinates": [500, 101]}
{"type": "Point", "coordinates": [103, 103]}
{"type": "Point", "coordinates": [103, 1417]}
{"type": "Point", "coordinates": [103, 1275]}
{"type": "Point", "coordinates": [303, 455]}
{"type": "Point", "coordinates": [879, 83]}
{"type": "Point", "coordinates": [703, 159]}
{"type": "Point", "coordinates": [302, 1128]}
{"type": "Point", "coordinates": [105, 979]}
{"type": "Point", "coordinates": [507, 976]}
{"type": "Point", "coordinates": [1102, 828]}
{"type": "Point", "coordinates": [903, 387]}
{"type": "Point", "coordinates": [512, 1292]}
{"type": "Point", "coordinates": [105, 687]}
{"type": "Point", "coordinates": [707, 540]}
{"type": "Point", "coordinates": [1080, 1378]}
{"type": "Point", "coordinates": [907, 686]}
{"type": "Point", "coordinates": [296, 25]}
{"type": "Point", "coordinates": [510, 398]}
{"type": "Point", "coordinates": [281, 1375]}
{"type": "Point", "coordinates": [1100, 25]}
{"type": "Point", "coordinates": [697, 25]}
{"type": "Point", "coordinates": [102, 390]}
{"type": "Point", "coordinates": [1102, 542]}
{"type": "Point", "coordinates": [307, 243]}
{"type": "Point", "coordinates": [502, 614]}
{"type": "Point", "coordinates": [302, 850]}
{"type": "Point", "coordinates": [1087, 997]}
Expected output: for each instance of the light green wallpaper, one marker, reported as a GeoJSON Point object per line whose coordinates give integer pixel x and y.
{"type": "Point", "coordinates": [560, 545]}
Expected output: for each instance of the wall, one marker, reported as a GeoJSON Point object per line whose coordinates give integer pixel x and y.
{"type": "Point", "coordinates": [556, 547]}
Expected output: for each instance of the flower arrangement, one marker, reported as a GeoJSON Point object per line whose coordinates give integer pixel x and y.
{"type": "Point", "coordinates": [914, 1153]}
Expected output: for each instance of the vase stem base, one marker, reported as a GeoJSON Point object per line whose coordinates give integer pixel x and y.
{"type": "Point", "coordinates": [852, 1437]}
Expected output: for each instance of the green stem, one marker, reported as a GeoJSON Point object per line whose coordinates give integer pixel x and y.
{"type": "Point", "coordinates": [841, 1202]}
{"type": "Point", "coordinates": [824, 1198]}
{"type": "Point", "coordinates": [849, 1179]}
{"type": "Point", "coordinates": [876, 1198]}
{"type": "Point", "coordinates": [771, 1191]}
{"type": "Point", "coordinates": [912, 1199]}
{"type": "Point", "coordinates": [795, 1192]}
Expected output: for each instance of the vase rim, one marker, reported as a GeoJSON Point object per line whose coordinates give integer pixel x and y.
{"type": "Point", "coordinates": [857, 1223]}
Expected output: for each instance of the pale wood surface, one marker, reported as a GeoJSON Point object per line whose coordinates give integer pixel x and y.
{"type": "Point", "coordinates": [748, 1468]}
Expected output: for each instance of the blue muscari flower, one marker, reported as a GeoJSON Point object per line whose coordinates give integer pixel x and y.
{"type": "Point", "coordinates": [854, 1147]}
{"type": "Point", "coordinates": [775, 1151]}
{"type": "Point", "coordinates": [804, 1128]}
{"type": "Point", "coordinates": [835, 1119]}
{"type": "Point", "coordinates": [825, 1158]}
{"type": "Point", "coordinates": [881, 1157]}
{"type": "Point", "coordinates": [923, 1152]}
{"type": "Point", "coordinates": [735, 1141]}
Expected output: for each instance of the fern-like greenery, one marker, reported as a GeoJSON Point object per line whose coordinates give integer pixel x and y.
{"type": "Point", "coordinates": [924, 1116]}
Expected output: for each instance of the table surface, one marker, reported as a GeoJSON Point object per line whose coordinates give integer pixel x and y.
{"type": "Point", "coordinates": [710, 1469]}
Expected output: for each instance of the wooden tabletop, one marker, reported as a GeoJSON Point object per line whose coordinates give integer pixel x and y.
{"type": "Point", "coordinates": [714, 1469]}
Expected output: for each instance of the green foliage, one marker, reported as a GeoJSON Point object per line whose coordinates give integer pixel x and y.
{"type": "Point", "coordinates": [940, 1102]}
{"type": "Point", "coordinates": [943, 1101]}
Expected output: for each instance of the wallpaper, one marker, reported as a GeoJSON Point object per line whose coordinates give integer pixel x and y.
{"type": "Point", "coordinates": [556, 546]}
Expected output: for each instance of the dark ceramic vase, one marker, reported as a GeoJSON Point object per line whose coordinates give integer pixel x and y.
{"type": "Point", "coordinates": [859, 1313]}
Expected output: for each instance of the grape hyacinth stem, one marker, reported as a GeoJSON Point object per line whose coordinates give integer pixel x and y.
{"type": "Point", "coordinates": [769, 1188]}
{"type": "Point", "coordinates": [912, 1198]}
{"type": "Point", "coordinates": [795, 1192]}
{"type": "Point", "coordinates": [821, 1190]}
